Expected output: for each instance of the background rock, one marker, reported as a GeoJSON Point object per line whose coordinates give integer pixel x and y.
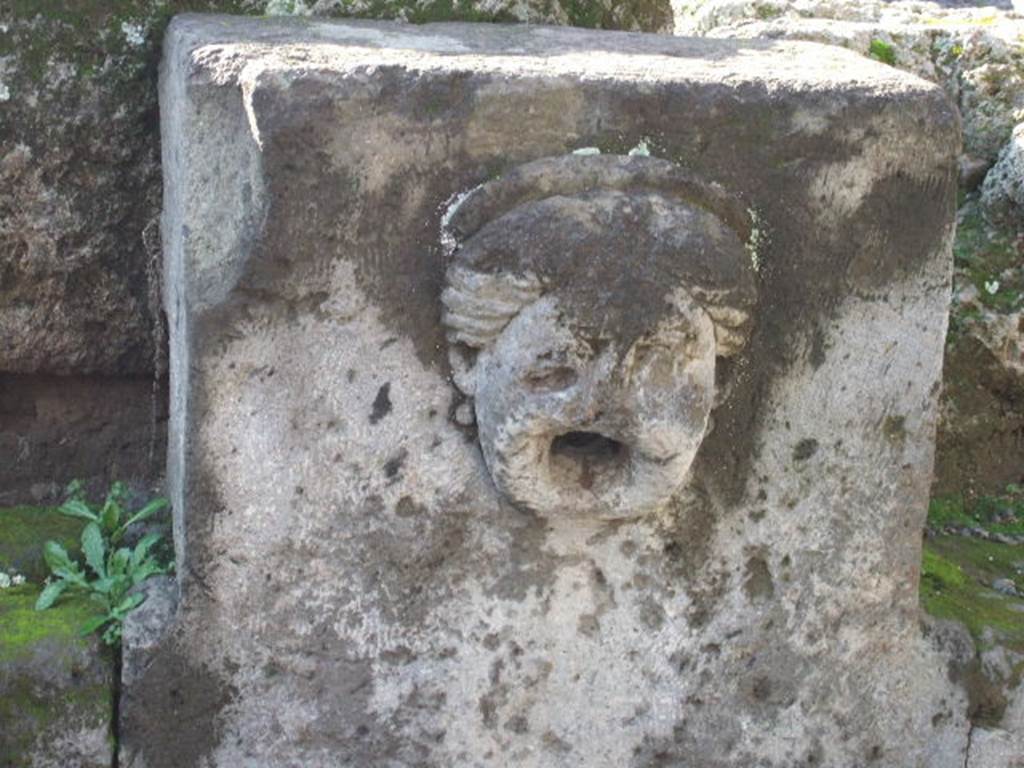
{"type": "Point", "coordinates": [56, 687]}
{"type": "Point", "coordinates": [57, 428]}
{"type": "Point", "coordinates": [979, 449]}
{"type": "Point", "coordinates": [635, 15]}
{"type": "Point", "coordinates": [146, 626]}
{"type": "Point", "coordinates": [976, 54]}
{"type": "Point", "coordinates": [1002, 195]}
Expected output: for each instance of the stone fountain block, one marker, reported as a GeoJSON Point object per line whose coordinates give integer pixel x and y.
{"type": "Point", "coordinates": [545, 397]}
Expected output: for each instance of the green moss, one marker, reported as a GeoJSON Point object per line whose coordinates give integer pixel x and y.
{"type": "Point", "coordinates": [948, 510]}
{"type": "Point", "coordinates": [88, 35]}
{"type": "Point", "coordinates": [24, 530]}
{"type": "Point", "coordinates": [22, 627]}
{"type": "Point", "coordinates": [993, 513]}
{"type": "Point", "coordinates": [955, 584]}
{"type": "Point", "coordinates": [452, 10]}
{"type": "Point", "coordinates": [582, 13]}
{"type": "Point", "coordinates": [766, 12]}
{"type": "Point", "coordinates": [34, 716]}
{"type": "Point", "coordinates": [883, 52]}
{"type": "Point", "coordinates": [51, 682]}
{"type": "Point", "coordinates": [983, 254]}
{"type": "Point", "coordinates": [940, 572]}
{"type": "Point", "coordinates": [420, 12]}
{"type": "Point", "coordinates": [895, 428]}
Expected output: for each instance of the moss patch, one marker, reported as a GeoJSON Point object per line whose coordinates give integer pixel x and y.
{"type": "Point", "coordinates": [22, 627]}
{"type": "Point", "coordinates": [35, 720]}
{"type": "Point", "coordinates": [423, 13]}
{"type": "Point", "coordinates": [985, 257]}
{"type": "Point", "coordinates": [956, 578]}
{"type": "Point", "coordinates": [54, 684]}
{"type": "Point", "coordinates": [96, 36]}
{"type": "Point", "coordinates": [979, 448]}
{"type": "Point", "coordinates": [883, 52]}
{"type": "Point", "coordinates": [1002, 513]}
{"type": "Point", "coordinates": [24, 531]}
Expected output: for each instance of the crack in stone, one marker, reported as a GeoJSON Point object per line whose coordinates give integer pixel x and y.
{"type": "Point", "coordinates": [967, 749]}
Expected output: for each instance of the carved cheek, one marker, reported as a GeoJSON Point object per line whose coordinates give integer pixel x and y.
{"type": "Point", "coordinates": [671, 377]}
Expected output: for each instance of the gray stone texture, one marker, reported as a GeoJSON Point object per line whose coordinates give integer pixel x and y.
{"type": "Point", "coordinates": [79, 183]}
{"type": "Point", "coordinates": [355, 588]}
{"type": "Point", "coordinates": [996, 749]}
{"type": "Point", "coordinates": [1002, 194]}
{"type": "Point", "coordinates": [142, 634]}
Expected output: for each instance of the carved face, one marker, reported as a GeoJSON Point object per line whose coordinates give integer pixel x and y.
{"type": "Point", "coordinates": [571, 428]}
{"type": "Point", "coordinates": [585, 321]}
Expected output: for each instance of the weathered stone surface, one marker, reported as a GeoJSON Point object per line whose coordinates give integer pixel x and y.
{"type": "Point", "coordinates": [1003, 192]}
{"type": "Point", "coordinates": [358, 587]}
{"type": "Point", "coordinates": [143, 631]}
{"type": "Point", "coordinates": [56, 687]}
{"type": "Point", "coordinates": [80, 190]}
{"type": "Point", "coordinates": [79, 182]}
{"type": "Point", "coordinates": [146, 626]}
{"type": "Point", "coordinates": [975, 54]}
{"type": "Point", "coordinates": [1001, 665]}
{"type": "Point", "coordinates": [995, 749]}
{"type": "Point", "coordinates": [54, 429]}
{"type": "Point", "coordinates": [79, 162]}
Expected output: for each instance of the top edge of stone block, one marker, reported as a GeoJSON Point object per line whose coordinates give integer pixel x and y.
{"type": "Point", "coordinates": [223, 45]}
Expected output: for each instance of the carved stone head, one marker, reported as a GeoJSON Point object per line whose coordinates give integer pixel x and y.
{"type": "Point", "coordinates": [586, 304]}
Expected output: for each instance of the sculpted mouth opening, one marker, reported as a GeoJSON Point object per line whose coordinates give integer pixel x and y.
{"type": "Point", "coordinates": [588, 459]}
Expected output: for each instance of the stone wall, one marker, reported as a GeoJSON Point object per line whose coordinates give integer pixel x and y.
{"type": "Point", "coordinates": [79, 205]}
{"type": "Point", "coordinates": [453, 486]}
{"type": "Point", "coordinates": [81, 334]}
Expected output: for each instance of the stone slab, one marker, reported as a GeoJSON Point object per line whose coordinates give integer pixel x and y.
{"type": "Point", "coordinates": [363, 226]}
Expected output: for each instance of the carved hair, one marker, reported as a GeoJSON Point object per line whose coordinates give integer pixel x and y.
{"type": "Point", "coordinates": [543, 228]}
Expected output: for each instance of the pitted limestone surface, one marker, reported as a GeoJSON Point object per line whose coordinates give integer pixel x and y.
{"type": "Point", "coordinates": [360, 582]}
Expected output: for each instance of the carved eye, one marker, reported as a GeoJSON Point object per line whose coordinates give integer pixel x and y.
{"type": "Point", "coordinates": [550, 379]}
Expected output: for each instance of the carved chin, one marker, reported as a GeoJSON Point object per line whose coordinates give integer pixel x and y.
{"type": "Point", "coordinates": [596, 474]}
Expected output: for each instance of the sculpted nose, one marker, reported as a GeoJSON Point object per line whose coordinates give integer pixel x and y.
{"type": "Point", "coordinates": [592, 403]}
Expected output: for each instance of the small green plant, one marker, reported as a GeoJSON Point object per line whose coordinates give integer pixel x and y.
{"type": "Point", "coordinates": [882, 51]}
{"type": "Point", "coordinates": [112, 570]}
